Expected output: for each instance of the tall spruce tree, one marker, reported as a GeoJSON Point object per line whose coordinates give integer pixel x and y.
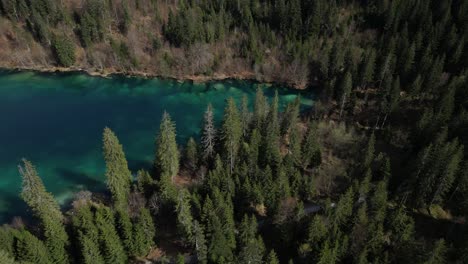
{"type": "Point", "coordinates": [119, 177]}
{"type": "Point", "coordinates": [231, 133]}
{"type": "Point", "coordinates": [209, 136]}
{"type": "Point", "coordinates": [345, 89]}
{"type": "Point", "coordinates": [272, 135]}
{"type": "Point", "coordinates": [167, 155]}
{"type": "Point", "coordinates": [47, 210]}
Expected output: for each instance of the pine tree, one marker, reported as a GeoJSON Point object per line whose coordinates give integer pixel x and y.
{"type": "Point", "coordinates": [200, 242]}
{"type": "Point", "coordinates": [167, 156]}
{"type": "Point", "coordinates": [112, 248]}
{"type": "Point", "coordinates": [125, 228]}
{"type": "Point", "coordinates": [119, 177]}
{"type": "Point", "coordinates": [143, 233]}
{"type": "Point", "coordinates": [191, 155]}
{"type": "Point", "coordinates": [5, 258]}
{"type": "Point", "coordinates": [245, 115]}
{"type": "Point", "coordinates": [88, 234]}
{"type": "Point", "coordinates": [369, 154]}
{"type": "Point", "coordinates": [260, 109]}
{"type": "Point", "coordinates": [367, 69]}
{"type": "Point", "coordinates": [144, 182]}
{"type": "Point", "coordinates": [232, 132]}
{"type": "Point", "coordinates": [438, 253]}
{"type": "Point", "coordinates": [345, 89]}
{"type": "Point", "coordinates": [184, 215]}
{"type": "Point", "coordinates": [272, 138]}
{"type": "Point", "coordinates": [89, 250]}
{"type": "Point", "coordinates": [311, 155]}
{"type": "Point", "coordinates": [208, 134]}
{"type": "Point", "coordinates": [30, 249]}
{"type": "Point", "coordinates": [272, 258]}
{"type": "Point", "coordinates": [47, 210]}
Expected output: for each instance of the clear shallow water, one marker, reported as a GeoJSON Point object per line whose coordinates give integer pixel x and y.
{"type": "Point", "coordinates": [56, 121]}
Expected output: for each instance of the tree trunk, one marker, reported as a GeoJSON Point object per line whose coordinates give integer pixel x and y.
{"type": "Point", "coordinates": [342, 105]}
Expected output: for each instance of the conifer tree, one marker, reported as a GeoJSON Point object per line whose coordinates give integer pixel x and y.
{"type": "Point", "coordinates": [438, 253]}
{"type": "Point", "coordinates": [118, 175]}
{"type": "Point", "coordinates": [30, 249]}
{"type": "Point", "coordinates": [260, 109]}
{"type": "Point", "coordinates": [47, 210]}
{"type": "Point", "coordinates": [208, 134]}
{"type": "Point", "coordinates": [272, 258]}
{"type": "Point", "coordinates": [245, 115]}
{"type": "Point", "coordinates": [191, 154]}
{"type": "Point", "coordinates": [89, 250]}
{"type": "Point", "coordinates": [272, 138]}
{"type": "Point", "coordinates": [5, 258]}
{"type": "Point", "coordinates": [311, 155]}
{"type": "Point", "coordinates": [112, 248]}
{"type": "Point", "coordinates": [167, 154]}
{"type": "Point", "coordinates": [199, 241]}
{"type": "Point", "coordinates": [345, 89]}
{"type": "Point", "coordinates": [232, 132]}
{"type": "Point", "coordinates": [369, 154]}
{"type": "Point", "coordinates": [184, 215]}
{"type": "Point", "coordinates": [143, 233]}
{"type": "Point", "coordinates": [144, 182]}
{"type": "Point", "coordinates": [125, 229]}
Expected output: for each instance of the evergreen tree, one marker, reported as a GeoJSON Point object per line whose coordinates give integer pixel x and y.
{"type": "Point", "coordinates": [200, 242]}
{"type": "Point", "coordinates": [311, 155]}
{"type": "Point", "coordinates": [438, 253]}
{"type": "Point", "coordinates": [232, 132]}
{"type": "Point", "coordinates": [369, 154]}
{"type": "Point", "coordinates": [245, 115]}
{"type": "Point", "coordinates": [125, 228]}
{"type": "Point", "coordinates": [191, 155]}
{"type": "Point", "coordinates": [167, 155]}
{"type": "Point", "coordinates": [112, 248]}
{"type": "Point", "coordinates": [143, 233]}
{"type": "Point", "coordinates": [89, 250]}
{"type": "Point", "coordinates": [272, 138]}
{"type": "Point", "coordinates": [5, 258]}
{"type": "Point", "coordinates": [184, 215]}
{"type": "Point", "coordinates": [345, 89]}
{"type": "Point", "coordinates": [208, 134]}
{"type": "Point", "coordinates": [47, 210]}
{"type": "Point", "coordinates": [119, 177]}
{"type": "Point", "coordinates": [30, 249]}
{"type": "Point", "coordinates": [144, 182]}
{"type": "Point", "coordinates": [260, 109]}
{"type": "Point", "coordinates": [272, 258]}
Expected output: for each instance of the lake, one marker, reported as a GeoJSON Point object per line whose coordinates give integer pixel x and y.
{"type": "Point", "coordinates": [56, 121]}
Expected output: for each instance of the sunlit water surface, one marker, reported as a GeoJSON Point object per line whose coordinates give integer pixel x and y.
{"type": "Point", "coordinates": [56, 121]}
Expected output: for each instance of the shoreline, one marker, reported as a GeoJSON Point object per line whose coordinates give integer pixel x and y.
{"type": "Point", "coordinates": [107, 73]}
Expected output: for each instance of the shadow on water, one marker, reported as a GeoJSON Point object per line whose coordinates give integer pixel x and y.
{"type": "Point", "coordinates": [81, 179]}
{"type": "Point", "coordinates": [136, 165]}
{"type": "Point", "coordinates": [15, 207]}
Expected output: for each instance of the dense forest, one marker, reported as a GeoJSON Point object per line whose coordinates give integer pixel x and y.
{"type": "Point", "coordinates": [375, 172]}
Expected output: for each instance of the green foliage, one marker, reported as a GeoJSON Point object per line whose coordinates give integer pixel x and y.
{"type": "Point", "coordinates": [47, 210]}
{"type": "Point", "coordinates": [112, 248]}
{"type": "Point", "coordinates": [167, 155]}
{"type": "Point", "coordinates": [311, 155]}
{"type": "Point", "coordinates": [5, 258]}
{"type": "Point", "coordinates": [191, 154]}
{"type": "Point", "coordinates": [118, 175]}
{"type": "Point", "coordinates": [64, 50]}
{"type": "Point", "coordinates": [231, 133]}
{"type": "Point", "coordinates": [30, 249]}
{"type": "Point", "coordinates": [144, 233]}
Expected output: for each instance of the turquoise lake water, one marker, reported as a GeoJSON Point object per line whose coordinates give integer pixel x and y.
{"type": "Point", "coordinates": [56, 121]}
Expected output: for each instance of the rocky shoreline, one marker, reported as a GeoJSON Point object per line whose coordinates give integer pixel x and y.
{"type": "Point", "coordinates": [106, 73]}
